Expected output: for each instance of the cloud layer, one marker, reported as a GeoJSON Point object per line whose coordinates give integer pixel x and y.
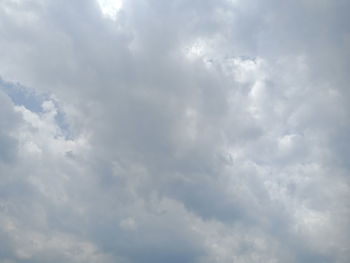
{"type": "Point", "coordinates": [174, 131]}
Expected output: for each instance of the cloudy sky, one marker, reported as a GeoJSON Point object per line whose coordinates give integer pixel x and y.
{"type": "Point", "coordinates": [151, 131]}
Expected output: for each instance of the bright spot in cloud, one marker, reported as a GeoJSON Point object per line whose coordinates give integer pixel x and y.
{"type": "Point", "coordinates": [109, 8]}
{"type": "Point", "coordinates": [196, 49]}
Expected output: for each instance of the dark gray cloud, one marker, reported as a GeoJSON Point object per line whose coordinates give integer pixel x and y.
{"type": "Point", "coordinates": [182, 131]}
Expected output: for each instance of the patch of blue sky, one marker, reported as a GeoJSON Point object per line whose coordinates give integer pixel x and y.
{"type": "Point", "coordinates": [23, 96]}
{"type": "Point", "coordinates": [32, 100]}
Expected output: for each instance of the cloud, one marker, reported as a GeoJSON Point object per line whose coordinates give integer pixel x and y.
{"type": "Point", "coordinates": [190, 131]}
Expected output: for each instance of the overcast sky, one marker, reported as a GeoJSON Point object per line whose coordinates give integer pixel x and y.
{"type": "Point", "coordinates": [180, 131]}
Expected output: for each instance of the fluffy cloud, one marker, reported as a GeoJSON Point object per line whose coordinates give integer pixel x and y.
{"type": "Point", "coordinates": [183, 131]}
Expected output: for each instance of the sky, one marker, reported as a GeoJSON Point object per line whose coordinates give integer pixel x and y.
{"type": "Point", "coordinates": [139, 131]}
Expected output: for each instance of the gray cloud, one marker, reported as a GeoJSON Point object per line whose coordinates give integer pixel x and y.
{"type": "Point", "coordinates": [190, 131]}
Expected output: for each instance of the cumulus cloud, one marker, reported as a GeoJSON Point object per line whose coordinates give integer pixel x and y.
{"type": "Point", "coordinates": [182, 131]}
